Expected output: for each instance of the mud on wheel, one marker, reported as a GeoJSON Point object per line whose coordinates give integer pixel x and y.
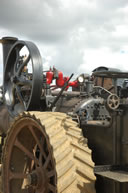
{"type": "Point", "coordinates": [45, 153]}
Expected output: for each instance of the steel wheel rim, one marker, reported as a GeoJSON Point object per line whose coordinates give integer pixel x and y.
{"type": "Point", "coordinates": [42, 164]}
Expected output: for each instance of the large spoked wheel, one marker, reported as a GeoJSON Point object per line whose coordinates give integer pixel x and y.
{"type": "Point", "coordinates": [45, 153]}
{"type": "Point", "coordinates": [29, 165]}
{"type": "Point", "coordinates": [23, 77]}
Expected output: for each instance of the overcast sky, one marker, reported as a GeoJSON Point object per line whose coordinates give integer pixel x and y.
{"type": "Point", "coordinates": [73, 35]}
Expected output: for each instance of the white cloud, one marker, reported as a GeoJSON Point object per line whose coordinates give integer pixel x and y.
{"type": "Point", "coordinates": [121, 31]}
{"type": "Point", "coordinates": [72, 35]}
{"type": "Point", "coordinates": [104, 57]}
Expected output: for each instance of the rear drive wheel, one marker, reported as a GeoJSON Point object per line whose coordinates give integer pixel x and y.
{"type": "Point", "coordinates": [45, 153]}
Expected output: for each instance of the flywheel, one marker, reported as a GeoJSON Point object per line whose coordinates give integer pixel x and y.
{"type": "Point", "coordinates": [44, 152]}
{"type": "Point", "coordinates": [23, 78]}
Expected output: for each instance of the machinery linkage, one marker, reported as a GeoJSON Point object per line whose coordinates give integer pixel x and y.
{"type": "Point", "coordinates": [57, 140]}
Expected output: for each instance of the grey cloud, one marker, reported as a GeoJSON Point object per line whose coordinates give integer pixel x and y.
{"type": "Point", "coordinates": [112, 3]}
{"type": "Point", "coordinates": [67, 30]}
{"type": "Point", "coordinates": [69, 59]}
{"type": "Point", "coordinates": [47, 22]}
{"type": "Point", "coordinates": [45, 18]}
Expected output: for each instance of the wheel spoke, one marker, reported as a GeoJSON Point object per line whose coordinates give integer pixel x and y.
{"type": "Point", "coordinates": [23, 149]}
{"type": "Point", "coordinates": [51, 173]}
{"type": "Point", "coordinates": [115, 103]}
{"type": "Point", "coordinates": [40, 159]}
{"type": "Point", "coordinates": [31, 165]}
{"type": "Point", "coordinates": [47, 161]}
{"type": "Point", "coordinates": [23, 64]}
{"type": "Point", "coordinates": [13, 175]}
{"type": "Point", "coordinates": [27, 60]}
{"type": "Point", "coordinates": [52, 188]}
{"type": "Point", "coordinates": [17, 50]}
{"type": "Point", "coordinates": [111, 101]}
{"type": "Point", "coordinates": [42, 153]}
{"type": "Point", "coordinates": [22, 82]}
{"type": "Point", "coordinates": [18, 92]}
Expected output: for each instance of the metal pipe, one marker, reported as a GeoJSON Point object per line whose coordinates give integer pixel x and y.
{"type": "Point", "coordinates": [7, 43]}
{"type": "Point", "coordinates": [66, 93]}
{"type": "Point", "coordinates": [61, 91]}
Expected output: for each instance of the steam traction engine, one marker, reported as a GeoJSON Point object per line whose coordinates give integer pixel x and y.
{"type": "Point", "coordinates": [42, 146]}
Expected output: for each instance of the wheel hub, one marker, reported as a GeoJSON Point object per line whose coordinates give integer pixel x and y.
{"type": "Point", "coordinates": [13, 79]}
{"type": "Point", "coordinates": [37, 179]}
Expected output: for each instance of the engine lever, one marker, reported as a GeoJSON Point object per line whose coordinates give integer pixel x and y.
{"type": "Point", "coordinates": [61, 91]}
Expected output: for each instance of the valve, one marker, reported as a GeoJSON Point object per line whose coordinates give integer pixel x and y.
{"type": "Point", "coordinates": [113, 101]}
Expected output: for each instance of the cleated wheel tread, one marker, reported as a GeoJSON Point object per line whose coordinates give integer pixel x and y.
{"type": "Point", "coordinates": [55, 138]}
